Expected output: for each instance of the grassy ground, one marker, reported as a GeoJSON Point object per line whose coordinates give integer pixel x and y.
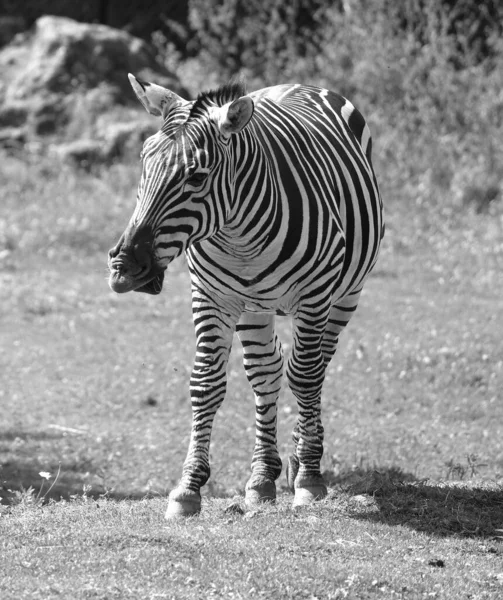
{"type": "Point", "coordinates": [94, 395]}
{"type": "Point", "coordinates": [341, 548]}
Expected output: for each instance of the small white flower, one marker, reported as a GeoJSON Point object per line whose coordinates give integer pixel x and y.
{"type": "Point", "coordinates": [45, 474]}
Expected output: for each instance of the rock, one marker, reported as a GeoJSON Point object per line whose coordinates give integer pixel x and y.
{"type": "Point", "coordinates": [123, 139]}
{"type": "Point", "coordinates": [117, 141]}
{"type": "Point", "coordinates": [61, 78]}
{"type": "Point", "coordinates": [136, 16]}
{"type": "Point", "coordinates": [64, 55]}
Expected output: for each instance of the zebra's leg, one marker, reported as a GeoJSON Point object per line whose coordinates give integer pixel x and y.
{"type": "Point", "coordinates": [214, 325]}
{"type": "Point", "coordinates": [263, 361]}
{"type": "Point", "coordinates": [305, 373]}
{"type": "Point", "coordinates": [339, 316]}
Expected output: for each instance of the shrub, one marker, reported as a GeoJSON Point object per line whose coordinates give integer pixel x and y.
{"type": "Point", "coordinates": [427, 75]}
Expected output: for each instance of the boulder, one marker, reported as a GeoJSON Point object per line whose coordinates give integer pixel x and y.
{"type": "Point", "coordinates": [117, 140]}
{"type": "Point", "coordinates": [60, 79]}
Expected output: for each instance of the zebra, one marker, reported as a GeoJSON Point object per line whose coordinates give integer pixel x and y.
{"type": "Point", "coordinates": [274, 200]}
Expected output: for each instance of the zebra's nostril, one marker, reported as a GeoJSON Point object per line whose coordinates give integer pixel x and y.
{"type": "Point", "coordinates": [142, 256]}
{"type": "Point", "coordinates": [115, 251]}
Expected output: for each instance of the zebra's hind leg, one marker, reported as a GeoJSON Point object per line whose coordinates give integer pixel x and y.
{"type": "Point", "coordinates": [305, 373]}
{"type": "Point", "coordinates": [263, 361]}
{"type": "Point", "coordinates": [338, 318]}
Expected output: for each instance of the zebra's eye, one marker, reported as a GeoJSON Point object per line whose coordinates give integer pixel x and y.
{"type": "Point", "coordinates": [197, 178]}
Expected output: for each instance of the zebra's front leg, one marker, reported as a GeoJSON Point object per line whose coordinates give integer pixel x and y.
{"type": "Point", "coordinates": [215, 325]}
{"type": "Point", "coordinates": [263, 361]}
{"type": "Point", "coordinates": [306, 373]}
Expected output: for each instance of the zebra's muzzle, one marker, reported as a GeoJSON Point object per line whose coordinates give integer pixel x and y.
{"type": "Point", "coordinates": [122, 281]}
{"type": "Point", "coordinates": [132, 264]}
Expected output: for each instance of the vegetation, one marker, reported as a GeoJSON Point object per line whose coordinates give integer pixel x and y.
{"type": "Point", "coordinates": [95, 415]}
{"type": "Point", "coordinates": [428, 75]}
{"type": "Point", "coordinates": [338, 549]}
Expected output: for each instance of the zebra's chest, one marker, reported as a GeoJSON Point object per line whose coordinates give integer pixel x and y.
{"type": "Point", "coordinates": [264, 284]}
{"type": "Point", "coordinates": [272, 273]}
{"type": "Point", "coordinates": [255, 281]}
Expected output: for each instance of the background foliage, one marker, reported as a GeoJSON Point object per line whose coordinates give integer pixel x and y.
{"type": "Point", "coordinates": [428, 75]}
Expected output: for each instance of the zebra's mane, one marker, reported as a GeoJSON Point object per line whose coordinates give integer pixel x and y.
{"type": "Point", "coordinates": [219, 96]}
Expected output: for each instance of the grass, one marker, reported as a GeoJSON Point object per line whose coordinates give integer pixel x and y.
{"type": "Point", "coordinates": [336, 549]}
{"type": "Point", "coordinates": [94, 386]}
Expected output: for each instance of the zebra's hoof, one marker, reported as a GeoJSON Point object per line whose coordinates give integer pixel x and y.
{"type": "Point", "coordinates": [304, 496]}
{"type": "Point", "coordinates": [292, 468]}
{"type": "Point", "coordinates": [260, 493]}
{"type": "Point", "coordinates": [183, 504]}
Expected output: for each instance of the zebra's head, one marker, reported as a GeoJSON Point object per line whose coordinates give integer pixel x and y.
{"type": "Point", "coordinates": [185, 191]}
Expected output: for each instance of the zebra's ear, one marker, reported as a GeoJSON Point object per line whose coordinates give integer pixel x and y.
{"type": "Point", "coordinates": [234, 117]}
{"type": "Point", "coordinates": [156, 99]}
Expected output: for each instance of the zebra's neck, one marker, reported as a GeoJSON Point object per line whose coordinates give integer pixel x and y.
{"type": "Point", "coordinates": [256, 213]}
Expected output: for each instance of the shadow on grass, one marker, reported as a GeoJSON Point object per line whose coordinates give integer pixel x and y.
{"type": "Point", "coordinates": [11, 436]}
{"type": "Point", "coordinates": [439, 508]}
{"type": "Point", "coordinates": [21, 479]}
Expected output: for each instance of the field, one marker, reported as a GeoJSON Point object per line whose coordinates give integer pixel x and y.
{"type": "Point", "coordinates": [96, 418]}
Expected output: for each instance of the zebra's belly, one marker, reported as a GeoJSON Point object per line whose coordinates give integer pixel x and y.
{"type": "Point", "coordinates": [281, 309]}
{"type": "Point", "coordinates": [255, 297]}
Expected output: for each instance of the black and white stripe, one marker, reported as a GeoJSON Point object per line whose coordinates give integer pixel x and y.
{"type": "Point", "coordinates": [282, 216]}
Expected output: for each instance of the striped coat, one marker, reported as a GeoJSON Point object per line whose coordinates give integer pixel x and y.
{"type": "Point", "coordinates": [273, 197]}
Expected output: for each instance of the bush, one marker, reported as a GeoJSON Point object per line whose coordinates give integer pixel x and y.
{"type": "Point", "coordinates": [259, 39]}
{"type": "Point", "coordinates": [428, 76]}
